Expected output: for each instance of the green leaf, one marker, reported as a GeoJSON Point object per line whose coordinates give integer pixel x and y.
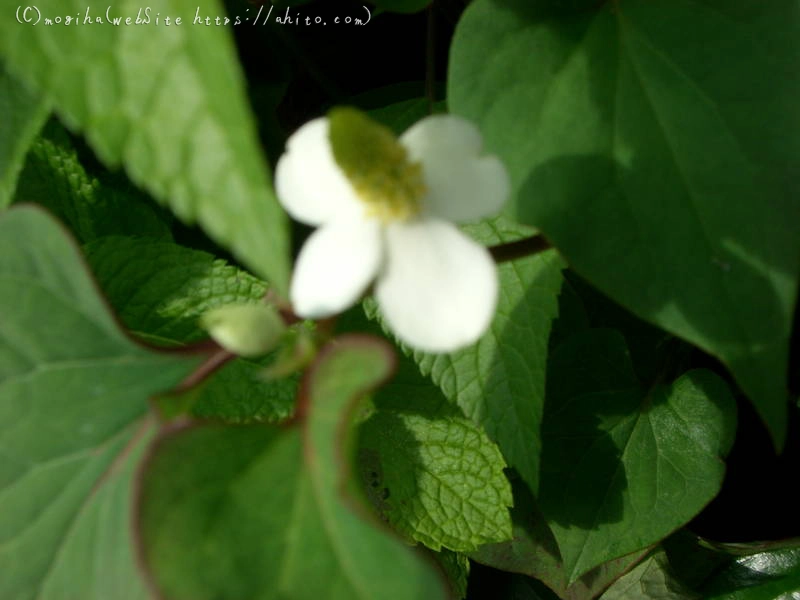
{"type": "Point", "coordinates": [239, 393]}
{"type": "Point", "coordinates": [23, 115]}
{"type": "Point", "coordinates": [259, 512]}
{"type": "Point", "coordinates": [167, 102]}
{"type": "Point", "coordinates": [519, 587]}
{"type": "Point", "coordinates": [54, 178]}
{"type": "Point", "coordinates": [668, 181]}
{"type": "Point", "coordinates": [753, 571]}
{"type": "Point", "coordinates": [399, 116]}
{"type": "Point", "coordinates": [624, 466]}
{"type": "Point", "coordinates": [784, 589]}
{"type": "Point", "coordinates": [573, 314]}
{"type": "Point", "coordinates": [650, 580]}
{"type": "Point", "coordinates": [651, 348]}
{"type": "Point", "coordinates": [96, 560]}
{"type": "Point", "coordinates": [434, 475]}
{"type": "Point", "coordinates": [499, 382]}
{"type": "Point", "coordinates": [456, 566]}
{"type": "Point", "coordinates": [73, 392]}
{"type": "Point", "coordinates": [533, 551]}
{"type": "Point", "coordinates": [772, 575]}
{"type": "Point", "coordinates": [160, 290]}
{"type": "Point", "coordinates": [694, 560]}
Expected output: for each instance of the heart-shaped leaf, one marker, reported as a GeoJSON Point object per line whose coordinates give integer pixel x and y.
{"type": "Point", "coordinates": [73, 404]}
{"type": "Point", "coordinates": [624, 466]}
{"type": "Point", "coordinates": [262, 512]}
{"type": "Point", "coordinates": [659, 150]}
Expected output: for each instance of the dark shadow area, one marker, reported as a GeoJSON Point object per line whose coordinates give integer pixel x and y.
{"type": "Point", "coordinates": [384, 436]}
{"type": "Point", "coordinates": [655, 354]}
{"type": "Point", "coordinates": [659, 176]}
{"type": "Point", "coordinates": [533, 551]}
{"type": "Point", "coordinates": [714, 569]}
{"type": "Point", "coordinates": [630, 262]}
{"type": "Point", "coordinates": [322, 65]}
{"type": "Point", "coordinates": [591, 390]}
{"type": "Point", "coordinates": [486, 583]}
{"type": "Point", "coordinates": [758, 500]}
{"type": "Point", "coordinates": [710, 295]}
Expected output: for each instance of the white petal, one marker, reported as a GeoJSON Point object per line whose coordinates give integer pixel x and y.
{"type": "Point", "coordinates": [309, 184]}
{"type": "Point", "coordinates": [335, 266]}
{"type": "Point", "coordinates": [438, 288]}
{"type": "Point", "coordinates": [462, 184]}
{"type": "Point", "coordinates": [444, 132]}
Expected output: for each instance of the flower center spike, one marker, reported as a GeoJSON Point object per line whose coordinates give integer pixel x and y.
{"type": "Point", "coordinates": [376, 164]}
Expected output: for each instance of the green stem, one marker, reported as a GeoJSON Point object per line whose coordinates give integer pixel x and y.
{"type": "Point", "coordinates": [519, 249]}
{"type": "Point", "coordinates": [206, 369]}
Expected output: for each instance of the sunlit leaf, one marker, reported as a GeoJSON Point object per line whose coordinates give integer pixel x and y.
{"type": "Point", "coordinates": [658, 148]}
{"type": "Point", "coordinates": [260, 512]}
{"type": "Point", "coordinates": [73, 404]}
{"type": "Point", "coordinates": [166, 102]}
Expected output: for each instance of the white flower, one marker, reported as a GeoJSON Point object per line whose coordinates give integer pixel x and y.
{"type": "Point", "coordinates": [385, 209]}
